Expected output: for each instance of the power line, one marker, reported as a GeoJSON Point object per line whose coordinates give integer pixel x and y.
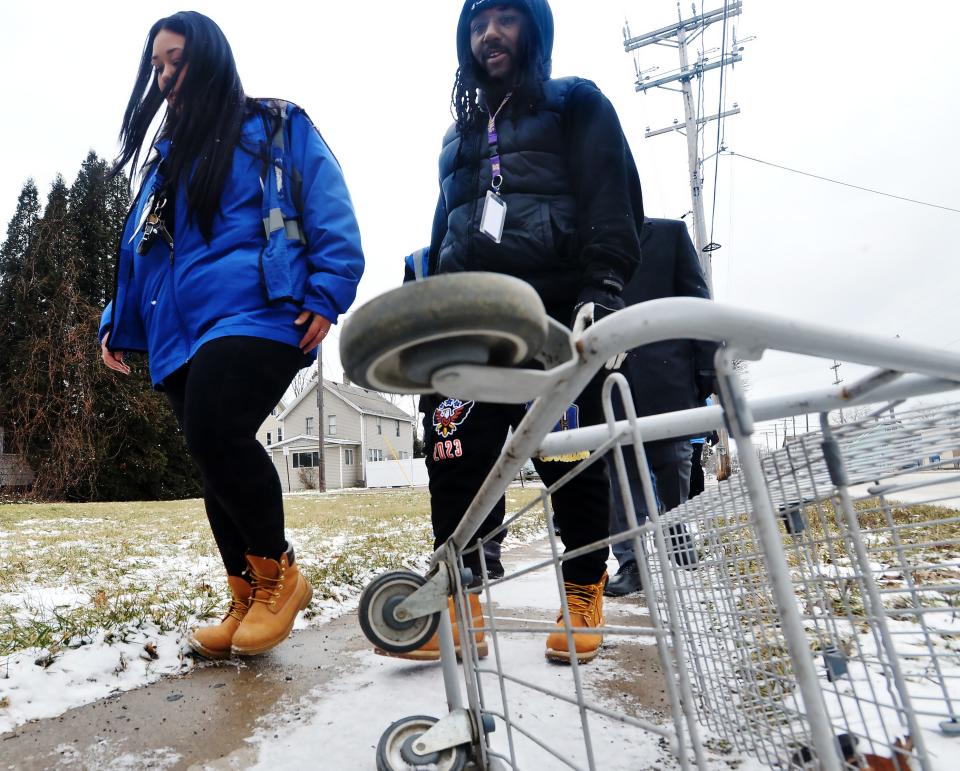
{"type": "Point", "coordinates": [845, 184]}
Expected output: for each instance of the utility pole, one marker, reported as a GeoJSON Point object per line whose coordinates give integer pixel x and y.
{"type": "Point", "coordinates": [680, 36]}
{"type": "Point", "coordinates": [322, 476]}
{"type": "Point", "coordinates": [686, 32]}
{"type": "Point", "coordinates": [837, 380]}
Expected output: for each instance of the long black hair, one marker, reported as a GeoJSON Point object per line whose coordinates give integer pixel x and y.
{"type": "Point", "coordinates": [533, 68]}
{"type": "Point", "coordinates": [204, 126]}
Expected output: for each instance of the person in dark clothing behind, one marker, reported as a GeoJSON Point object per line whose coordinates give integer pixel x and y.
{"type": "Point", "coordinates": [553, 154]}
{"type": "Point", "coordinates": [664, 377]}
{"type": "Point", "coordinates": [696, 462]}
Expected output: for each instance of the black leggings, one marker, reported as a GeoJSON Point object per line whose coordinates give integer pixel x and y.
{"type": "Point", "coordinates": [221, 398]}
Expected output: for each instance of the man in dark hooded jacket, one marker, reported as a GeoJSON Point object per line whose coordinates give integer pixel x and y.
{"type": "Point", "coordinates": [536, 181]}
{"type": "Point", "coordinates": [664, 377]}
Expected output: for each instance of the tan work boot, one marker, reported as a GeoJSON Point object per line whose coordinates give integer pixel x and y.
{"type": "Point", "coordinates": [430, 650]}
{"type": "Point", "coordinates": [585, 602]}
{"type": "Point", "coordinates": [279, 593]}
{"type": "Point", "coordinates": [213, 642]}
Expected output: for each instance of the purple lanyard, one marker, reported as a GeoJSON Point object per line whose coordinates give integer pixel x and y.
{"type": "Point", "coordinates": [496, 178]}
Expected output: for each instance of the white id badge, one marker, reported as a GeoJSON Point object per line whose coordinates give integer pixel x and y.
{"type": "Point", "coordinates": [493, 217]}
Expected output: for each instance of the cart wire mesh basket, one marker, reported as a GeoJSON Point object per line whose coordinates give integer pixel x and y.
{"type": "Point", "coordinates": [872, 542]}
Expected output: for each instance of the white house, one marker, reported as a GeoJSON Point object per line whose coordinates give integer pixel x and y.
{"type": "Point", "coordinates": [359, 427]}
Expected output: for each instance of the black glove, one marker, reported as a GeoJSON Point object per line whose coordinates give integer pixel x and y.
{"type": "Point", "coordinates": [706, 382]}
{"type": "Point", "coordinates": [605, 301]}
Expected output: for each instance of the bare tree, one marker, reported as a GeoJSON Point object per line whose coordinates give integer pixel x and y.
{"type": "Point", "coordinates": [302, 380]}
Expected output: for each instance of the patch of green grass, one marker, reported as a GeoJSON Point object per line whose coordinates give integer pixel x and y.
{"type": "Point", "coordinates": [156, 563]}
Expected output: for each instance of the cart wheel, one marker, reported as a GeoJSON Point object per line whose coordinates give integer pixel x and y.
{"type": "Point", "coordinates": [377, 602]}
{"type": "Point", "coordinates": [396, 342]}
{"type": "Point", "coordinates": [395, 750]}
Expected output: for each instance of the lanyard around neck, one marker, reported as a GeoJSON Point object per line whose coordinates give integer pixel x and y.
{"type": "Point", "coordinates": [496, 176]}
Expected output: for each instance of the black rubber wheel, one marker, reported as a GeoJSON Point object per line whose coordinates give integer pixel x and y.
{"type": "Point", "coordinates": [377, 602]}
{"type": "Point", "coordinates": [396, 342]}
{"type": "Point", "coordinates": [395, 751]}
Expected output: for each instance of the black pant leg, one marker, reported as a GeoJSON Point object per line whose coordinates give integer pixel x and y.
{"type": "Point", "coordinates": [462, 442]}
{"type": "Point", "coordinates": [229, 539]}
{"type": "Point", "coordinates": [231, 385]}
{"type": "Point", "coordinates": [582, 506]}
{"type": "Point", "coordinates": [696, 471]}
{"type": "Point", "coordinates": [670, 462]}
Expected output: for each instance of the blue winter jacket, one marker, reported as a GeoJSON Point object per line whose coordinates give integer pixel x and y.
{"type": "Point", "coordinates": [170, 304]}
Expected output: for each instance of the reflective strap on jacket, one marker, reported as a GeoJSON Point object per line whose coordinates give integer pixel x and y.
{"type": "Point", "coordinates": [418, 262]}
{"type": "Point", "coordinates": [275, 221]}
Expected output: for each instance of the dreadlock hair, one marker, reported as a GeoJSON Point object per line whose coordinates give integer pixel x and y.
{"type": "Point", "coordinates": [470, 77]}
{"type": "Point", "coordinates": [205, 123]}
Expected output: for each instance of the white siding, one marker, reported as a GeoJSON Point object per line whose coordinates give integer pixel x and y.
{"type": "Point", "coordinates": [270, 426]}
{"type": "Point", "coordinates": [291, 479]}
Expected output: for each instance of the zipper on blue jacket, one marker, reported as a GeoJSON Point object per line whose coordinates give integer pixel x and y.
{"type": "Point", "coordinates": [116, 281]}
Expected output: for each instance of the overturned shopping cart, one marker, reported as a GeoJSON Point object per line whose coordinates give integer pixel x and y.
{"type": "Point", "coordinates": [817, 626]}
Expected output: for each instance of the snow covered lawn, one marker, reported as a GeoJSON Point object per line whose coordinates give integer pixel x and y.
{"type": "Point", "coordinates": [97, 598]}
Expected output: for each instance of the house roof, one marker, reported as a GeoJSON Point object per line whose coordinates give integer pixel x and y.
{"type": "Point", "coordinates": [310, 440]}
{"type": "Point", "coordinates": [363, 400]}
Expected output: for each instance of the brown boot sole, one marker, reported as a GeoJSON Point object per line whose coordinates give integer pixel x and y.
{"type": "Point", "coordinates": [206, 653]}
{"type": "Point", "coordinates": [280, 638]}
{"type": "Point", "coordinates": [419, 655]}
{"type": "Point", "coordinates": [563, 657]}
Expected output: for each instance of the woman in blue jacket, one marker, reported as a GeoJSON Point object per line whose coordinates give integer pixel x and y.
{"type": "Point", "coordinates": [239, 252]}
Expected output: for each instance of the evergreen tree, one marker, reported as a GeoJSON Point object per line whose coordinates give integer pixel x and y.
{"type": "Point", "coordinates": [140, 452]}
{"type": "Point", "coordinates": [12, 256]}
{"type": "Point", "coordinates": [19, 231]}
{"type": "Point", "coordinates": [87, 432]}
{"type": "Point", "coordinates": [40, 389]}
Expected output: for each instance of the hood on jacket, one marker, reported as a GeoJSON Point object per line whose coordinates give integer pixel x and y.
{"type": "Point", "coordinates": [537, 11]}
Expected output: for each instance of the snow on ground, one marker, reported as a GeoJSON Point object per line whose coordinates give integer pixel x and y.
{"type": "Point", "coordinates": [348, 718]}
{"type": "Point", "coordinates": [33, 689]}
{"type": "Point", "coordinates": [32, 686]}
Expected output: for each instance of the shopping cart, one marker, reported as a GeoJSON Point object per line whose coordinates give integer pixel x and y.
{"type": "Point", "coordinates": [817, 625]}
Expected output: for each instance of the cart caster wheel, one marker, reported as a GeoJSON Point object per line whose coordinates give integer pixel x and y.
{"type": "Point", "coordinates": [396, 342]}
{"type": "Point", "coordinates": [377, 603]}
{"type": "Point", "coordinates": [395, 751]}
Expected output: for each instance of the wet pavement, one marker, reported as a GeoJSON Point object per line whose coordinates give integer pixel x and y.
{"type": "Point", "coordinates": [191, 720]}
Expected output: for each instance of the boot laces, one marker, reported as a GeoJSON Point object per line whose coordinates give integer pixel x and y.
{"type": "Point", "coordinates": [266, 589]}
{"type": "Point", "coordinates": [584, 600]}
{"type": "Point", "coordinates": [238, 609]}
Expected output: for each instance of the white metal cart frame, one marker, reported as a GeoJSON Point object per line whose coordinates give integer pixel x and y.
{"type": "Point", "coordinates": [570, 361]}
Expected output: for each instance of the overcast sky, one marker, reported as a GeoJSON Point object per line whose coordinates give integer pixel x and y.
{"type": "Point", "coordinates": [856, 90]}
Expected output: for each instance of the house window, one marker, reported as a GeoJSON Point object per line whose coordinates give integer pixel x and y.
{"type": "Point", "coordinates": [306, 459]}
{"type": "Point", "coordinates": [398, 428]}
{"type": "Point", "coordinates": [374, 455]}
{"type": "Point", "coordinates": [379, 425]}
{"type": "Point", "coordinates": [348, 457]}
{"type": "Point", "coordinates": [279, 434]}
{"type": "Point", "coordinates": [332, 425]}
{"type": "Point", "coordinates": [310, 427]}
{"type": "Point", "coordinates": [268, 439]}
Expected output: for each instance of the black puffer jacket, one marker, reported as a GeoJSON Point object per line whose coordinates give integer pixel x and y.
{"type": "Point", "coordinates": [569, 181]}
{"type": "Point", "coordinates": [540, 242]}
